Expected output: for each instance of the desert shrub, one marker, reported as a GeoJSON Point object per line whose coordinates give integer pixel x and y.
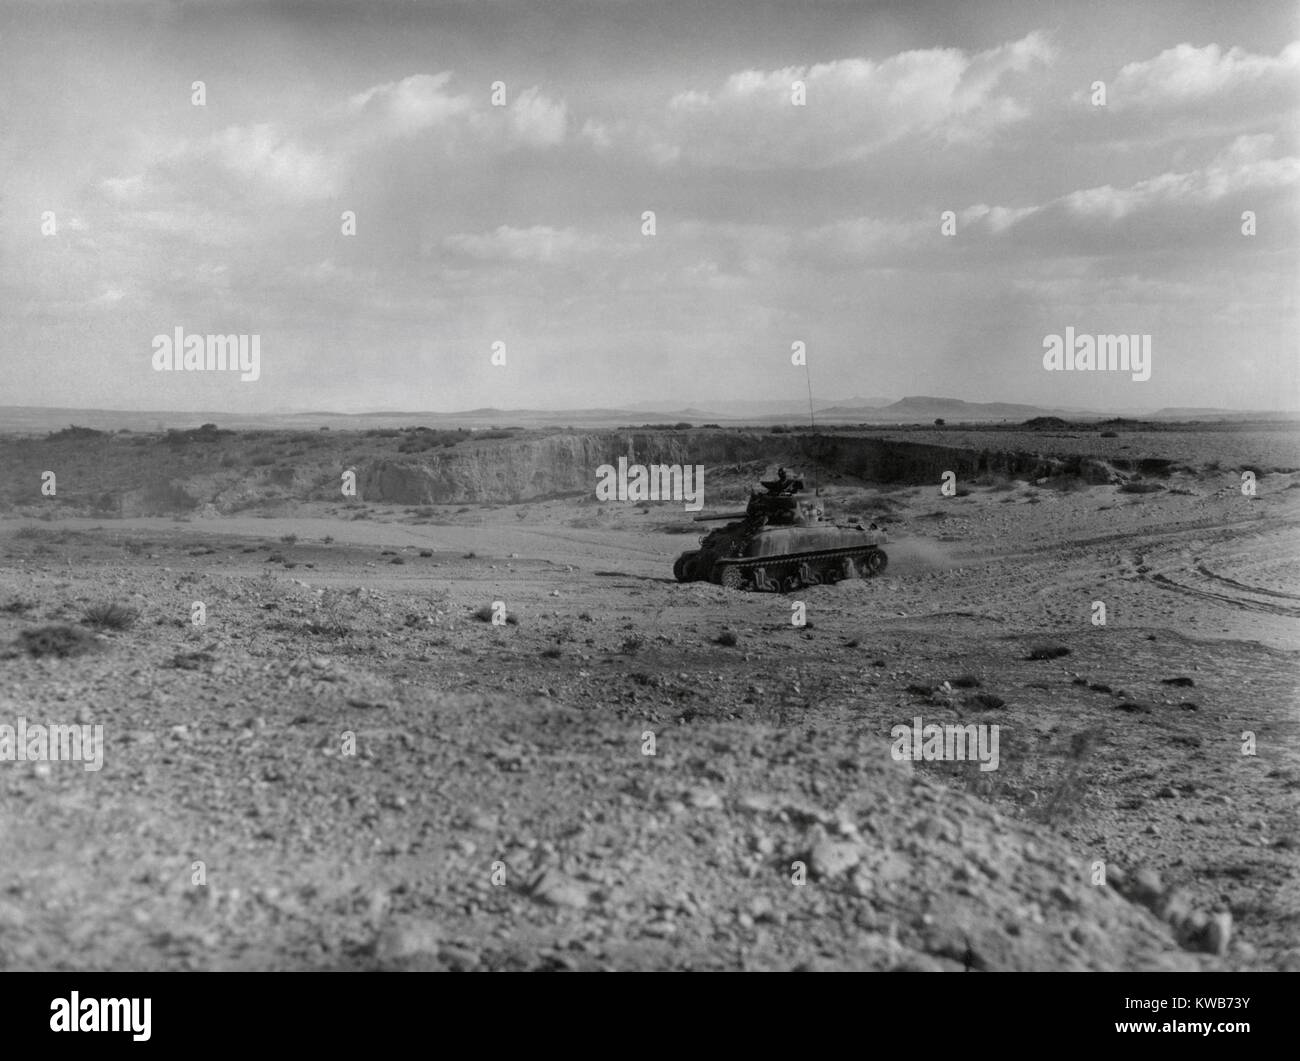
{"type": "Point", "coordinates": [551, 653]}
{"type": "Point", "coordinates": [966, 681]}
{"type": "Point", "coordinates": [727, 639]}
{"type": "Point", "coordinates": [58, 641]}
{"type": "Point", "coordinates": [282, 475]}
{"type": "Point", "coordinates": [110, 616]}
{"type": "Point", "coordinates": [1048, 652]}
{"type": "Point", "coordinates": [75, 433]}
{"type": "Point", "coordinates": [1140, 487]}
{"type": "Point", "coordinates": [1110, 434]}
{"type": "Point", "coordinates": [167, 496]}
{"type": "Point", "coordinates": [632, 645]}
{"type": "Point", "coordinates": [1066, 798]}
{"type": "Point", "coordinates": [986, 701]}
{"type": "Point", "coordinates": [484, 615]}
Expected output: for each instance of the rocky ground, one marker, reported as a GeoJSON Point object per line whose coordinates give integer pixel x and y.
{"type": "Point", "coordinates": [350, 765]}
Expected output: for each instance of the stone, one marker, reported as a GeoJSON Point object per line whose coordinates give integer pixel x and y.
{"type": "Point", "coordinates": [408, 938]}
{"type": "Point", "coordinates": [830, 858]}
{"type": "Point", "coordinates": [704, 799]}
{"type": "Point", "coordinates": [555, 889]}
{"type": "Point", "coordinates": [1218, 933]}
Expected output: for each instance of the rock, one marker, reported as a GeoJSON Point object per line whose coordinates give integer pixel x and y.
{"type": "Point", "coordinates": [408, 938]}
{"type": "Point", "coordinates": [1177, 908]}
{"type": "Point", "coordinates": [704, 799]}
{"type": "Point", "coordinates": [829, 858]}
{"type": "Point", "coordinates": [1218, 933]}
{"type": "Point", "coordinates": [460, 959]}
{"type": "Point", "coordinates": [1147, 887]}
{"type": "Point", "coordinates": [555, 889]}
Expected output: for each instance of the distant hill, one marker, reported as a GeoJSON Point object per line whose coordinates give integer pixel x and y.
{"type": "Point", "coordinates": [736, 409]}
{"type": "Point", "coordinates": [923, 409]}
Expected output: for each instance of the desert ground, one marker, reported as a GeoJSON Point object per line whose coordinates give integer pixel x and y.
{"type": "Point", "coordinates": [349, 765]}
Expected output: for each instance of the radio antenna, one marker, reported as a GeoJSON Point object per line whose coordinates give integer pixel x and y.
{"type": "Point", "coordinates": [812, 419]}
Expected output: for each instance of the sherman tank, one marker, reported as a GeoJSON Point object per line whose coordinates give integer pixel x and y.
{"type": "Point", "coordinates": [781, 542]}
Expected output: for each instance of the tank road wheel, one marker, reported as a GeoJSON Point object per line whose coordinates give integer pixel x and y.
{"type": "Point", "coordinates": [790, 583]}
{"type": "Point", "coordinates": [808, 576]}
{"type": "Point", "coordinates": [732, 577]}
{"type": "Point", "coordinates": [679, 567]}
{"type": "Point", "coordinates": [763, 583]}
{"type": "Point", "coordinates": [849, 569]}
{"type": "Point", "coordinates": [875, 562]}
{"type": "Point", "coordinates": [692, 567]}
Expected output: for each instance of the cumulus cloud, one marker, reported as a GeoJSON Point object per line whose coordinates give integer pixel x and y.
{"type": "Point", "coordinates": [407, 107]}
{"type": "Point", "coordinates": [263, 156]}
{"type": "Point", "coordinates": [1167, 210]}
{"type": "Point", "coordinates": [852, 107]}
{"type": "Point", "coordinates": [1186, 75]}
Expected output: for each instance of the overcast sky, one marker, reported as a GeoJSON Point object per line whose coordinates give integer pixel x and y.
{"type": "Point", "coordinates": [775, 223]}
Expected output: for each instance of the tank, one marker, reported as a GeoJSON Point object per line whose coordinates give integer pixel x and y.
{"type": "Point", "coordinates": [780, 543]}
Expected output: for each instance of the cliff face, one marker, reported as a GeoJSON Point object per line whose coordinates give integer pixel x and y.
{"type": "Point", "coordinates": [509, 471]}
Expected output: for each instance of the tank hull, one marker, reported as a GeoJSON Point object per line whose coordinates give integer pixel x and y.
{"type": "Point", "coordinates": [782, 542]}
{"type": "Point", "coordinates": [784, 559]}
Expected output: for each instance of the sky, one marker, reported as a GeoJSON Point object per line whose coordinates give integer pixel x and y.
{"type": "Point", "coordinates": [798, 159]}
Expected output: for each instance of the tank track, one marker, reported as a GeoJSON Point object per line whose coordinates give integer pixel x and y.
{"type": "Point", "coordinates": [782, 574]}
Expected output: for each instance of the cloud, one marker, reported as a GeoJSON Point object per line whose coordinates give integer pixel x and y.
{"type": "Point", "coordinates": [263, 157]}
{"type": "Point", "coordinates": [1186, 76]}
{"type": "Point", "coordinates": [539, 244]}
{"type": "Point", "coordinates": [407, 107]}
{"type": "Point", "coordinates": [1170, 210]}
{"type": "Point", "coordinates": [537, 121]}
{"type": "Point", "coordinates": [852, 107]}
